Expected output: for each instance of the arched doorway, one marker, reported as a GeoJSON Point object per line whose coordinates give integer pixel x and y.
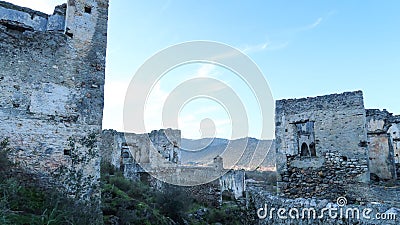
{"type": "Point", "coordinates": [304, 150]}
{"type": "Point", "coordinates": [312, 150]}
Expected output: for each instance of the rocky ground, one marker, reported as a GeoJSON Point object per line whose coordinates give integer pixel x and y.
{"type": "Point", "coordinates": [374, 211]}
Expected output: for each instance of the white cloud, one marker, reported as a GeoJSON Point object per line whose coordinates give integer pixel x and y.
{"type": "Point", "coordinates": [206, 70]}
{"type": "Point", "coordinates": [114, 96]}
{"type": "Point", "coordinates": [46, 6]}
{"type": "Point", "coordinates": [265, 46]}
{"type": "Point", "coordinates": [316, 23]}
{"type": "Point", "coordinates": [255, 48]}
{"type": "Point", "coordinates": [270, 46]}
{"type": "Point", "coordinates": [311, 26]}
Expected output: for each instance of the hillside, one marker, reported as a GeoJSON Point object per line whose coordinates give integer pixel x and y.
{"type": "Point", "coordinates": [256, 152]}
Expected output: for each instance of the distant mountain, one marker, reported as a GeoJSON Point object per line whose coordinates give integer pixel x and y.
{"type": "Point", "coordinates": [246, 153]}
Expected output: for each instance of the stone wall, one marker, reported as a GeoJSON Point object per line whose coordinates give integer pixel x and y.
{"type": "Point", "coordinates": [111, 147]}
{"type": "Point", "coordinates": [233, 182]}
{"type": "Point", "coordinates": [321, 145]}
{"type": "Point", "coordinates": [155, 158]}
{"type": "Point", "coordinates": [24, 19]}
{"type": "Point", "coordinates": [230, 186]}
{"type": "Point", "coordinates": [167, 142]}
{"type": "Point", "coordinates": [398, 170]}
{"type": "Point", "coordinates": [51, 85]}
{"type": "Point", "coordinates": [211, 184]}
{"type": "Point", "coordinates": [394, 131]}
{"type": "Point", "coordinates": [383, 141]}
{"type": "Point", "coordinates": [158, 148]}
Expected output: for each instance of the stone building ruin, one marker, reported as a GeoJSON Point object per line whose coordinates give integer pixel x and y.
{"type": "Point", "coordinates": [51, 103]}
{"type": "Point", "coordinates": [132, 153]}
{"type": "Point", "coordinates": [139, 156]}
{"type": "Point", "coordinates": [384, 144]}
{"type": "Point", "coordinates": [330, 144]}
{"type": "Point", "coordinates": [51, 83]}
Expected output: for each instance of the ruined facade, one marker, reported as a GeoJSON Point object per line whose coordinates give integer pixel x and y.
{"type": "Point", "coordinates": [321, 144]}
{"type": "Point", "coordinates": [384, 144]}
{"type": "Point", "coordinates": [328, 145]}
{"type": "Point", "coordinates": [51, 84]}
{"type": "Point", "coordinates": [155, 159]}
{"type": "Point", "coordinates": [159, 148]}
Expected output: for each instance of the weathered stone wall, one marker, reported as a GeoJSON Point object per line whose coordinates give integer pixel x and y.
{"type": "Point", "coordinates": [394, 131]}
{"type": "Point", "coordinates": [383, 141]}
{"type": "Point", "coordinates": [51, 84]}
{"type": "Point", "coordinates": [139, 156]}
{"type": "Point", "coordinates": [135, 154]}
{"type": "Point", "coordinates": [22, 19]}
{"type": "Point", "coordinates": [158, 148]}
{"type": "Point", "coordinates": [233, 182]}
{"type": "Point", "coordinates": [212, 181]}
{"type": "Point", "coordinates": [111, 147]}
{"type": "Point", "coordinates": [167, 142]}
{"type": "Point", "coordinates": [321, 144]}
{"type": "Point", "coordinates": [374, 192]}
{"type": "Point", "coordinates": [231, 185]}
{"type": "Point", "coordinates": [398, 170]}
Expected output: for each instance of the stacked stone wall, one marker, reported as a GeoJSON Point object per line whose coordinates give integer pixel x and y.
{"type": "Point", "coordinates": [338, 127]}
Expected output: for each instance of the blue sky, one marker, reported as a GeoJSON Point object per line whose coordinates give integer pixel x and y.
{"type": "Point", "coordinates": [304, 48]}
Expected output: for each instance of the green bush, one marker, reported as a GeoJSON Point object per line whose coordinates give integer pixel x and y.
{"type": "Point", "coordinates": [23, 201]}
{"type": "Point", "coordinates": [4, 150]}
{"type": "Point", "coordinates": [25, 204]}
{"type": "Point", "coordinates": [173, 202]}
{"type": "Point", "coordinates": [122, 183]}
{"type": "Point", "coordinates": [128, 202]}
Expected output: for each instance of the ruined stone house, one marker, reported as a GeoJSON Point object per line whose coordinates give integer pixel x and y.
{"type": "Point", "coordinates": [384, 144]}
{"type": "Point", "coordinates": [155, 158]}
{"type": "Point", "coordinates": [327, 145]}
{"type": "Point", "coordinates": [133, 153]}
{"type": "Point", "coordinates": [51, 84]}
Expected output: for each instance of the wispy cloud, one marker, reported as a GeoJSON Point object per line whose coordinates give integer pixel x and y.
{"type": "Point", "coordinates": [288, 34]}
{"type": "Point", "coordinates": [316, 23]}
{"type": "Point", "coordinates": [213, 71]}
{"type": "Point", "coordinates": [311, 26]}
{"type": "Point", "coordinates": [206, 70]}
{"type": "Point", "coordinates": [276, 45]}
{"type": "Point", "coordinates": [255, 48]}
{"type": "Point", "coordinates": [265, 46]}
